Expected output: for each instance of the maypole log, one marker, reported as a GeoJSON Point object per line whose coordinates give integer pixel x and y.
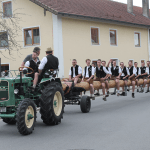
{"type": "Point", "coordinates": [97, 84]}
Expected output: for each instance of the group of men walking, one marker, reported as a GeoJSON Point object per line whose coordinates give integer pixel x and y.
{"type": "Point", "coordinates": [104, 73]}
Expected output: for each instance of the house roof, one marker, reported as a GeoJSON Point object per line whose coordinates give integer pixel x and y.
{"type": "Point", "coordinates": [98, 9]}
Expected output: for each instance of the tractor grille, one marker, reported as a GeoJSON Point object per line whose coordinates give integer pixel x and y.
{"type": "Point", "coordinates": [4, 92]}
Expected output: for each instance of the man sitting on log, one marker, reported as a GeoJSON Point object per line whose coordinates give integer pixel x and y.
{"type": "Point", "coordinates": [88, 75]}
{"type": "Point", "coordinates": [75, 73]}
{"type": "Point", "coordinates": [124, 76]}
{"type": "Point", "coordinates": [116, 73]}
{"type": "Point", "coordinates": [132, 76]}
{"type": "Point", "coordinates": [143, 76]}
{"type": "Point", "coordinates": [148, 76]}
{"type": "Point", "coordinates": [101, 75]}
{"type": "Point", "coordinates": [107, 79]}
{"type": "Point", "coordinates": [137, 74]}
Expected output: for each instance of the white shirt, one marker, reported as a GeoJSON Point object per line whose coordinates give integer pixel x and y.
{"type": "Point", "coordinates": [27, 64]}
{"type": "Point", "coordinates": [135, 71]}
{"type": "Point", "coordinates": [109, 70]}
{"type": "Point", "coordinates": [128, 73]}
{"type": "Point", "coordinates": [147, 70]}
{"type": "Point", "coordinates": [43, 63]}
{"type": "Point", "coordinates": [104, 69]}
{"type": "Point", "coordinates": [79, 71]}
{"type": "Point", "coordinates": [87, 72]}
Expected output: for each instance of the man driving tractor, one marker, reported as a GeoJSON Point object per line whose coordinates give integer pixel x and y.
{"type": "Point", "coordinates": [48, 62]}
{"type": "Point", "coordinates": [33, 64]}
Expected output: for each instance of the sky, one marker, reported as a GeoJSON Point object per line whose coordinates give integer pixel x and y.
{"type": "Point", "coordinates": [135, 2]}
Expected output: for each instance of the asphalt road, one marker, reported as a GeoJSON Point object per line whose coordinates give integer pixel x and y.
{"type": "Point", "coordinates": [121, 123]}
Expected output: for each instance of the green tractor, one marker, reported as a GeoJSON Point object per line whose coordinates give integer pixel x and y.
{"type": "Point", "coordinates": [18, 104]}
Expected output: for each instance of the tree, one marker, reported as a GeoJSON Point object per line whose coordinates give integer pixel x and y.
{"type": "Point", "coordinates": [10, 29]}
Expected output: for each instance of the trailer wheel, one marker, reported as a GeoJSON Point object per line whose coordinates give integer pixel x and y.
{"type": "Point", "coordinates": [52, 104]}
{"type": "Point", "coordinates": [85, 104]}
{"type": "Point", "coordinates": [9, 120]}
{"type": "Point", "coordinates": [26, 116]}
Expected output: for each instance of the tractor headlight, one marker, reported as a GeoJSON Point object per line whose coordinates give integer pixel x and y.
{"type": "Point", "coordinates": [16, 91]}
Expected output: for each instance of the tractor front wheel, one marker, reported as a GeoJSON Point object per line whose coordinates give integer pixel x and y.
{"type": "Point", "coordinates": [26, 116]}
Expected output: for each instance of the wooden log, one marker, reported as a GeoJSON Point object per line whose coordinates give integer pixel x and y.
{"type": "Point", "coordinates": [141, 81]}
{"type": "Point", "coordinates": [84, 85]}
{"type": "Point", "coordinates": [97, 84]}
{"type": "Point", "coordinates": [64, 86]}
{"type": "Point", "coordinates": [112, 83]}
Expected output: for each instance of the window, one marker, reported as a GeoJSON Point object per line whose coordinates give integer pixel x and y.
{"type": "Point", "coordinates": [95, 36]}
{"type": "Point", "coordinates": [7, 9]}
{"type": "Point", "coordinates": [113, 37]}
{"type": "Point", "coordinates": [95, 63]}
{"type": "Point", "coordinates": [32, 36]}
{"type": "Point", "coordinates": [137, 39]}
{"type": "Point", "coordinates": [4, 70]}
{"type": "Point", "coordinates": [117, 61]}
{"type": "Point", "coordinates": [3, 39]}
{"type": "Point", "coordinates": [131, 61]}
{"type": "Point", "coordinates": [142, 61]}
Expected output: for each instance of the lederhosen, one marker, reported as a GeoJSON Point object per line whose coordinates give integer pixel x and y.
{"type": "Point", "coordinates": [76, 73]}
{"type": "Point", "coordinates": [100, 74]}
{"type": "Point", "coordinates": [125, 73]}
{"type": "Point", "coordinates": [131, 73]}
{"type": "Point", "coordinates": [34, 66]}
{"type": "Point", "coordinates": [143, 70]}
{"type": "Point", "coordinates": [115, 73]}
{"type": "Point", "coordinates": [89, 73]}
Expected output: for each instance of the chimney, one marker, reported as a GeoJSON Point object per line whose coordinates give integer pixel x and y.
{"type": "Point", "coordinates": [130, 6]}
{"type": "Point", "coordinates": [145, 4]}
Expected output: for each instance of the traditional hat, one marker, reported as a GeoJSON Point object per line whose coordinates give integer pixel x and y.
{"type": "Point", "coordinates": [49, 49]}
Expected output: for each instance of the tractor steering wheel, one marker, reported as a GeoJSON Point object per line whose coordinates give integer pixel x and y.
{"type": "Point", "coordinates": [20, 69]}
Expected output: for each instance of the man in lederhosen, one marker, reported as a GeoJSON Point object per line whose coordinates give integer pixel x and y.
{"type": "Point", "coordinates": [75, 73]}
{"type": "Point", "coordinates": [88, 75]}
{"type": "Point", "coordinates": [107, 79]}
{"type": "Point", "coordinates": [143, 76]}
{"type": "Point", "coordinates": [116, 73]}
{"type": "Point", "coordinates": [137, 74]}
{"type": "Point", "coordinates": [100, 76]}
{"type": "Point", "coordinates": [34, 64]}
{"type": "Point", "coordinates": [148, 76]}
{"type": "Point", "coordinates": [124, 76]}
{"type": "Point", "coordinates": [48, 62]}
{"type": "Point", "coordinates": [132, 76]}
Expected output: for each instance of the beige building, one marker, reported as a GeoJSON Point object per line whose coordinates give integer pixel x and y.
{"type": "Point", "coordinates": [95, 29]}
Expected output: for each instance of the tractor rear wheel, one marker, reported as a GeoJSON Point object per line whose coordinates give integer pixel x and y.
{"type": "Point", "coordinates": [9, 120]}
{"type": "Point", "coordinates": [26, 116]}
{"type": "Point", "coordinates": [52, 104]}
{"type": "Point", "coordinates": [85, 104]}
